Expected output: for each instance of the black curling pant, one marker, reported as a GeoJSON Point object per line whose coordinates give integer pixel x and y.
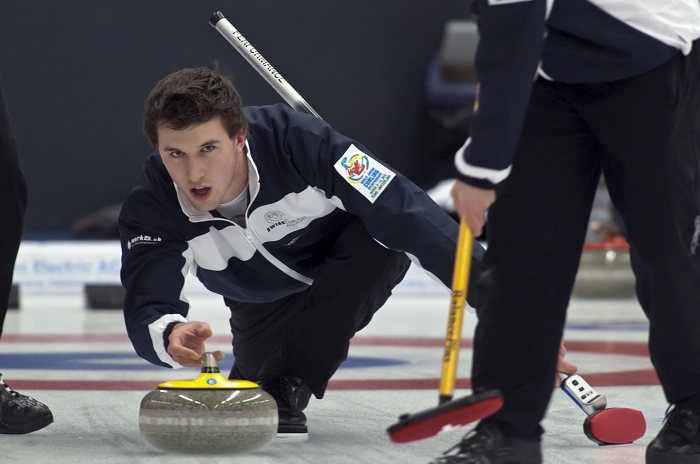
{"type": "Point", "coordinates": [13, 203]}
{"type": "Point", "coordinates": [643, 133]}
{"type": "Point", "coordinates": [308, 334]}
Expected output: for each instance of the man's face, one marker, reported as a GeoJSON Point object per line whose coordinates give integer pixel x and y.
{"type": "Point", "coordinates": [204, 162]}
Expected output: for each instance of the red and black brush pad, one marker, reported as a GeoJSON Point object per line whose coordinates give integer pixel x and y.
{"type": "Point", "coordinates": [455, 413]}
{"type": "Point", "coordinates": [615, 426]}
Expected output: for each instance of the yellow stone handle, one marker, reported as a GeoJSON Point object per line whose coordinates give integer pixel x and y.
{"type": "Point", "coordinates": [209, 379]}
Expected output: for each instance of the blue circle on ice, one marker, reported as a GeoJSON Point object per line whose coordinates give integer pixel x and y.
{"type": "Point", "coordinates": [211, 381]}
{"type": "Point", "coordinates": [127, 361]}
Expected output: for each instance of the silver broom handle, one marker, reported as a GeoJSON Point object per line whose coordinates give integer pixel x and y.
{"type": "Point", "coordinates": [256, 60]}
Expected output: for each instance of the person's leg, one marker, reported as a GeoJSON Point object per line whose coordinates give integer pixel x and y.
{"type": "Point", "coordinates": [308, 334]}
{"type": "Point", "coordinates": [258, 331]}
{"type": "Point", "coordinates": [293, 346]}
{"type": "Point", "coordinates": [536, 232]}
{"type": "Point", "coordinates": [13, 203]}
{"type": "Point", "coordinates": [652, 164]}
{"type": "Point", "coordinates": [18, 413]}
{"type": "Point", "coordinates": [356, 280]}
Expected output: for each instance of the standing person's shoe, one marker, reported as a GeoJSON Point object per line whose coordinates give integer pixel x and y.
{"type": "Point", "coordinates": [20, 413]}
{"type": "Point", "coordinates": [678, 441]}
{"type": "Point", "coordinates": [486, 444]}
{"type": "Point", "coordinates": [292, 397]}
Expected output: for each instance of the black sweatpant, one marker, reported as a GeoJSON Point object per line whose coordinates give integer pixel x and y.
{"type": "Point", "coordinates": [308, 334]}
{"type": "Point", "coordinates": [643, 133]}
{"type": "Point", "coordinates": [13, 203]}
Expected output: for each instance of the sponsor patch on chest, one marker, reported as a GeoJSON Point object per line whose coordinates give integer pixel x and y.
{"type": "Point", "coordinates": [277, 218]}
{"type": "Point", "coordinates": [365, 174]}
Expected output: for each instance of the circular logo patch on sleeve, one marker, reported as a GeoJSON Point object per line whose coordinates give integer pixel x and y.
{"type": "Point", "coordinates": [367, 175]}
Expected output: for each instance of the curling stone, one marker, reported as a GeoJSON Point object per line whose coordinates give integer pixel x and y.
{"type": "Point", "coordinates": [208, 415]}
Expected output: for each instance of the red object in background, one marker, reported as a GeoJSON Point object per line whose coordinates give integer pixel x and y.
{"type": "Point", "coordinates": [615, 243]}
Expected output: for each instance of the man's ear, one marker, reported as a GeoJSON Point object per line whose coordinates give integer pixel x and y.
{"type": "Point", "coordinates": [240, 138]}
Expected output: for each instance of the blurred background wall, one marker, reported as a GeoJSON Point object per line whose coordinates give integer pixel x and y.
{"type": "Point", "coordinates": [76, 74]}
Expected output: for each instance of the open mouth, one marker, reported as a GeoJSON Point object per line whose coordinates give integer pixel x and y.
{"type": "Point", "coordinates": [201, 192]}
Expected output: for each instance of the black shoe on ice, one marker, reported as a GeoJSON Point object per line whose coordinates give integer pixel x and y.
{"type": "Point", "coordinates": [486, 444]}
{"type": "Point", "coordinates": [678, 441]}
{"type": "Point", "coordinates": [20, 413]}
{"type": "Point", "coordinates": [292, 396]}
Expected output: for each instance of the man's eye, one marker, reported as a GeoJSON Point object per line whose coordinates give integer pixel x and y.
{"type": "Point", "coordinates": [176, 154]}
{"type": "Point", "coordinates": [208, 148]}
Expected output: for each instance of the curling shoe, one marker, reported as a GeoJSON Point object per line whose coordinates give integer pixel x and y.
{"type": "Point", "coordinates": [20, 413]}
{"type": "Point", "coordinates": [486, 444]}
{"type": "Point", "coordinates": [292, 397]}
{"type": "Point", "coordinates": [678, 441]}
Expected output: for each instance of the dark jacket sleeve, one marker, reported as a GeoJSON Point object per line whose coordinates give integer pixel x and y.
{"type": "Point", "coordinates": [154, 264]}
{"type": "Point", "coordinates": [509, 50]}
{"type": "Point", "coordinates": [396, 212]}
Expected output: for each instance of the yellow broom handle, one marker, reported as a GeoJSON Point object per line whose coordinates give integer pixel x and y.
{"type": "Point", "coordinates": [460, 282]}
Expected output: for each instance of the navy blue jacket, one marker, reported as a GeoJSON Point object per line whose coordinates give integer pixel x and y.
{"type": "Point", "coordinates": [306, 181]}
{"type": "Point", "coordinates": [570, 41]}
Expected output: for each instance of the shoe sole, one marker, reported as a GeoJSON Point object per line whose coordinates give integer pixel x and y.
{"type": "Point", "coordinates": [291, 437]}
{"type": "Point", "coordinates": [292, 433]}
{"type": "Point", "coordinates": [29, 428]}
{"type": "Point", "coordinates": [653, 457]}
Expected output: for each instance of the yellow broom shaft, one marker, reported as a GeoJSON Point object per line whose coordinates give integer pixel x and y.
{"type": "Point", "coordinates": [460, 279]}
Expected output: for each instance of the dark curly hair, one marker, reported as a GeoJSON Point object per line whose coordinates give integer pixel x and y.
{"type": "Point", "coordinates": [193, 96]}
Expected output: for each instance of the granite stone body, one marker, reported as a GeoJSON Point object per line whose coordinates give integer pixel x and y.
{"type": "Point", "coordinates": [208, 421]}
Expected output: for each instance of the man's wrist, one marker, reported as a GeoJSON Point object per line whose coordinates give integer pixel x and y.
{"type": "Point", "coordinates": [168, 330]}
{"type": "Point", "coordinates": [474, 182]}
